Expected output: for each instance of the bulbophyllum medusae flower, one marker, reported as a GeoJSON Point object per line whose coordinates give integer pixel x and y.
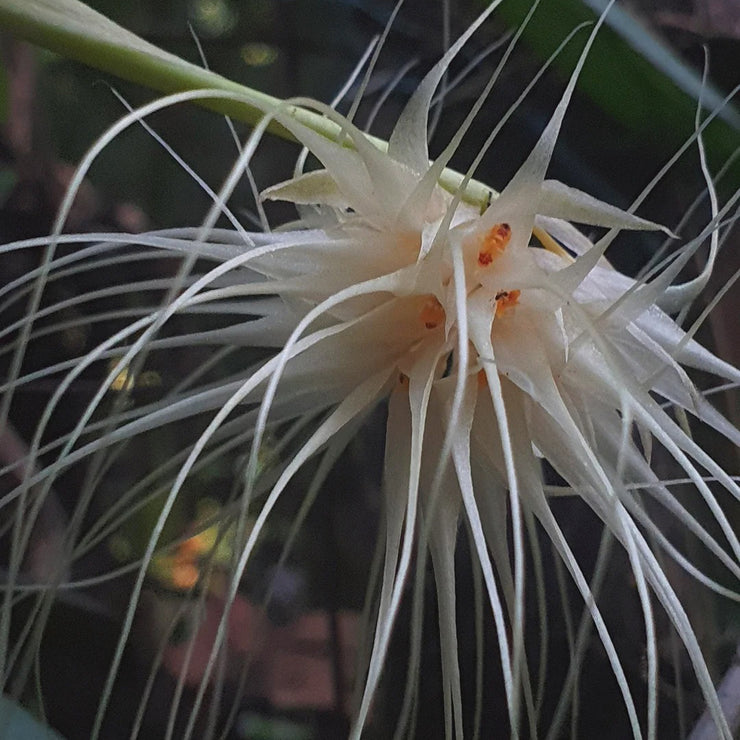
{"type": "Point", "coordinates": [502, 341]}
{"type": "Point", "coordinates": [499, 351]}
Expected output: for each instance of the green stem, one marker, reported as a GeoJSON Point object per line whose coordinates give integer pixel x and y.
{"type": "Point", "coordinates": [74, 30]}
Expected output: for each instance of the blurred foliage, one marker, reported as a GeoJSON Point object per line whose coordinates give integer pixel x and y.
{"type": "Point", "coordinates": [17, 724]}
{"type": "Point", "coordinates": [643, 99]}
{"type": "Point", "coordinates": [624, 123]}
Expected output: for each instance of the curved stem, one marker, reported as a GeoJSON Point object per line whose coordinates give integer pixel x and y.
{"type": "Point", "coordinates": [74, 30]}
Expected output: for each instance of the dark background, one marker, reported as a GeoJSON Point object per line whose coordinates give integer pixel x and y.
{"type": "Point", "coordinates": [622, 126]}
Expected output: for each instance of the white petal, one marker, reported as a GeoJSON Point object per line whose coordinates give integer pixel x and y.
{"type": "Point", "coordinates": [561, 201]}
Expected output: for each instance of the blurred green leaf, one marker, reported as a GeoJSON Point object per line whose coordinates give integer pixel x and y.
{"type": "Point", "coordinates": [256, 727]}
{"type": "Point", "coordinates": [17, 724]}
{"type": "Point", "coordinates": [8, 180]}
{"type": "Point", "coordinates": [631, 75]}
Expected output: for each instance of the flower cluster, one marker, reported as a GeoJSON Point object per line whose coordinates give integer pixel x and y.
{"type": "Point", "coordinates": [503, 343]}
{"type": "Point", "coordinates": [503, 339]}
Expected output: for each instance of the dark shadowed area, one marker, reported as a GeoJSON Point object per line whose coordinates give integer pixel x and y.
{"type": "Point", "coordinates": [297, 624]}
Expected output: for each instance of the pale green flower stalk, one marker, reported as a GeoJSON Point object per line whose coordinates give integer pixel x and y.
{"type": "Point", "coordinates": [500, 339]}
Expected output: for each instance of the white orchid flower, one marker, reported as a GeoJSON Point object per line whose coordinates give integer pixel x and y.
{"type": "Point", "coordinates": [501, 341]}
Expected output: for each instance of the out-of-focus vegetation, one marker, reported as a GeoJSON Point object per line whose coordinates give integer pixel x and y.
{"type": "Point", "coordinates": [626, 120]}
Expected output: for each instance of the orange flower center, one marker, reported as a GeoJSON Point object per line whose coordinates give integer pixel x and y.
{"type": "Point", "coordinates": [506, 299]}
{"type": "Point", "coordinates": [494, 243]}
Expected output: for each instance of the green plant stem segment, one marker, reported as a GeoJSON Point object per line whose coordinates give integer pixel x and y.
{"type": "Point", "coordinates": [74, 30]}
